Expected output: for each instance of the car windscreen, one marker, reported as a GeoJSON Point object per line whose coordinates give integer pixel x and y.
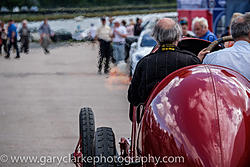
{"type": "Point", "coordinates": [147, 41]}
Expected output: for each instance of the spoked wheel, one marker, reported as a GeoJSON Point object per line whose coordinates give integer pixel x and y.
{"type": "Point", "coordinates": [85, 143]}
{"type": "Point", "coordinates": [104, 146]}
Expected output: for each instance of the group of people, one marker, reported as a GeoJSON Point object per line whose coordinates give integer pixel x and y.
{"type": "Point", "coordinates": [168, 58]}
{"type": "Point", "coordinates": [9, 33]}
{"type": "Point", "coordinates": [9, 38]}
{"type": "Point", "coordinates": [112, 40]}
{"type": "Point", "coordinates": [112, 37]}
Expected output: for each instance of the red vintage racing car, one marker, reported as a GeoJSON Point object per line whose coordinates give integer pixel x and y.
{"type": "Point", "coordinates": [196, 116]}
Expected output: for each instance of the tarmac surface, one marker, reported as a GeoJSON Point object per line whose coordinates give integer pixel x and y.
{"type": "Point", "coordinates": [40, 99]}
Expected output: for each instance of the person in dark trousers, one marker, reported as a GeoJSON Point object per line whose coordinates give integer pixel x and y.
{"type": "Point", "coordinates": [12, 39]}
{"type": "Point", "coordinates": [24, 33]}
{"type": "Point", "coordinates": [154, 67]}
{"type": "Point", "coordinates": [45, 36]}
{"type": "Point", "coordinates": [3, 39]}
{"type": "Point", "coordinates": [103, 35]}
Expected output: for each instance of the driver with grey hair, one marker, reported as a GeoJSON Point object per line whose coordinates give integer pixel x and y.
{"type": "Point", "coordinates": [154, 67]}
{"type": "Point", "coordinates": [236, 57]}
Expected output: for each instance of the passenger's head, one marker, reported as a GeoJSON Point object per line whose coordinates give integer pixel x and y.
{"type": "Point", "coordinates": [199, 26]}
{"type": "Point", "coordinates": [167, 31]}
{"type": "Point", "coordinates": [240, 27]}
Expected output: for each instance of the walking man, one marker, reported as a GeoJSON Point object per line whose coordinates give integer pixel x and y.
{"type": "Point", "coordinates": [103, 35]}
{"type": "Point", "coordinates": [45, 34]}
{"type": "Point", "coordinates": [12, 39]}
{"type": "Point", "coordinates": [24, 34]}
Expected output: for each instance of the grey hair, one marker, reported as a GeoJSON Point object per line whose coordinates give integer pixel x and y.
{"type": "Point", "coordinates": [169, 36]}
{"type": "Point", "coordinates": [201, 20]}
{"type": "Point", "coordinates": [241, 26]}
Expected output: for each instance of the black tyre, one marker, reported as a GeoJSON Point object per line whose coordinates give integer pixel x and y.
{"type": "Point", "coordinates": [87, 130]}
{"type": "Point", "coordinates": [104, 146]}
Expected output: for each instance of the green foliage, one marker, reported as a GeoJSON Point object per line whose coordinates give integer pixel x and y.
{"type": "Point", "coordinates": [12, 3]}
{"type": "Point", "coordinates": [20, 17]}
{"type": "Point", "coordinates": [78, 3]}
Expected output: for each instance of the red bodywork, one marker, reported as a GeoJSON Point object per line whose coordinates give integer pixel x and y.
{"type": "Point", "coordinates": [198, 116]}
{"type": "Point", "coordinates": [201, 113]}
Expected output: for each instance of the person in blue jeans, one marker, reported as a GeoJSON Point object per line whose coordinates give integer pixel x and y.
{"type": "Point", "coordinates": [200, 28]}
{"type": "Point", "coordinates": [119, 35]}
{"type": "Point", "coordinates": [12, 39]}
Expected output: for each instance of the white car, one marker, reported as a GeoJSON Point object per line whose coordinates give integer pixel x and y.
{"type": "Point", "coordinates": [4, 9]}
{"type": "Point", "coordinates": [140, 49]}
{"type": "Point", "coordinates": [24, 9]}
{"type": "Point", "coordinates": [34, 9]}
{"type": "Point", "coordinates": [16, 9]}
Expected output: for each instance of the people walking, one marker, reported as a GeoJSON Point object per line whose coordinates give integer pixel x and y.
{"type": "Point", "coordinates": [103, 35]}
{"type": "Point", "coordinates": [12, 39]}
{"type": "Point", "coordinates": [24, 33]}
{"type": "Point", "coordinates": [45, 34]}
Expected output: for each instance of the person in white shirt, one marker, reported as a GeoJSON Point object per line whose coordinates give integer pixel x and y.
{"type": "Point", "coordinates": [103, 34]}
{"type": "Point", "coordinates": [130, 28]}
{"type": "Point", "coordinates": [92, 32]}
{"type": "Point", "coordinates": [236, 57]}
{"type": "Point", "coordinates": [119, 35]}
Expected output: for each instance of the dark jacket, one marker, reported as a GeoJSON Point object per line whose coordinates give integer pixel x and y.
{"type": "Point", "coordinates": [154, 67]}
{"type": "Point", "coordinates": [24, 32]}
{"type": "Point", "coordinates": [137, 29]}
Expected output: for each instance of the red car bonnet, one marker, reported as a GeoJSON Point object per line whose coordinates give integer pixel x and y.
{"type": "Point", "coordinates": [202, 113]}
